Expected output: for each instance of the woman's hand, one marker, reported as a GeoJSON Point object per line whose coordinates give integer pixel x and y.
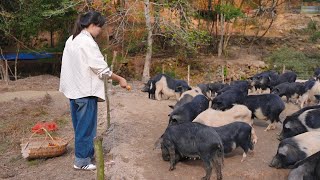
{"type": "Point", "coordinates": [123, 83]}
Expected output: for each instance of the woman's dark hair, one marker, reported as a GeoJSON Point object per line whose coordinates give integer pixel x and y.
{"type": "Point", "coordinates": [84, 20]}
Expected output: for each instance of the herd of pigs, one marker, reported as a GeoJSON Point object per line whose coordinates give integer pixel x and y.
{"type": "Point", "coordinates": [212, 119]}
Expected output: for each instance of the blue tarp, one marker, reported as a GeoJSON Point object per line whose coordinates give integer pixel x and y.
{"type": "Point", "coordinates": [26, 56]}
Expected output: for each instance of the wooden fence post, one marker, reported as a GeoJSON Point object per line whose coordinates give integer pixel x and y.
{"type": "Point", "coordinates": [222, 70]}
{"type": "Point", "coordinates": [188, 74]}
{"type": "Point", "coordinates": [162, 68]}
{"type": "Point", "coordinates": [99, 157]}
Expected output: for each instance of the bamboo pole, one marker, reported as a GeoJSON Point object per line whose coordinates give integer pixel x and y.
{"type": "Point", "coordinates": [106, 87]}
{"type": "Point", "coordinates": [99, 157]}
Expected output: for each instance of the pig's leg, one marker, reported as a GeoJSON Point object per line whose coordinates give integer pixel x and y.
{"type": "Point", "coordinates": [157, 94]}
{"type": "Point", "coordinates": [244, 155]}
{"type": "Point", "coordinates": [254, 136]}
{"type": "Point", "coordinates": [172, 157]}
{"type": "Point", "coordinates": [208, 166]}
{"type": "Point", "coordinates": [271, 126]}
{"type": "Point", "coordinates": [303, 100]}
{"type": "Point", "coordinates": [218, 161]}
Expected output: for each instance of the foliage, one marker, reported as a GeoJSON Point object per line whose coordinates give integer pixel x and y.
{"type": "Point", "coordinates": [229, 11]}
{"type": "Point", "coordinates": [293, 60]}
{"type": "Point", "coordinates": [170, 72]}
{"type": "Point", "coordinates": [186, 41]}
{"type": "Point", "coordinates": [197, 37]}
{"type": "Point", "coordinates": [133, 41]}
{"type": "Point", "coordinates": [24, 19]}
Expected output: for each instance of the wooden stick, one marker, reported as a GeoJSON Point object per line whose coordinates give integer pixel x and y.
{"type": "Point", "coordinates": [107, 98]}
{"type": "Point", "coordinates": [222, 69]}
{"type": "Point", "coordinates": [99, 157]}
{"type": "Point", "coordinates": [162, 68]}
{"type": "Point", "coordinates": [188, 74]}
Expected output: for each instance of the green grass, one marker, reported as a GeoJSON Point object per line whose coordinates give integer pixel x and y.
{"type": "Point", "coordinates": [294, 60]}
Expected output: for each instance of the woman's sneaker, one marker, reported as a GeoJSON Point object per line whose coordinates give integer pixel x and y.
{"type": "Point", "coordinates": [86, 167]}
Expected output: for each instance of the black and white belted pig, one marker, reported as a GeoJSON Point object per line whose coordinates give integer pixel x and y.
{"type": "Point", "coordinates": [187, 96]}
{"type": "Point", "coordinates": [217, 118]}
{"type": "Point", "coordinates": [228, 98]}
{"type": "Point", "coordinates": [312, 88]}
{"type": "Point", "coordinates": [304, 120]}
{"type": "Point", "coordinates": [263, 80]}
{"type": "Point", "coordinates": [167, 86]}
{"type": "Point", "coordinates": [150, 88]}
{"type": "Point", "coordinates": [189, 111]}
{"type": "Point", "coordinates": [234, 135]}
{"type": "Point", "coordinates": [193, 140]}
{"type": "Point", "coordinates": [290, 90]}
{"type": "Point", "coordinates": [265, 107]}
{"type": "Point", "coordinates": [316, 74]}
{"type": "Point", "coordinates": [294, 149]}
{"type": "Point", "coordinates": [215, 87]}
{"type": "Point", "coordinates": [307, 169]}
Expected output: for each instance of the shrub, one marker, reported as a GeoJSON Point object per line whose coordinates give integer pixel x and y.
{"type": "Point", "coordinates": [315, 36]}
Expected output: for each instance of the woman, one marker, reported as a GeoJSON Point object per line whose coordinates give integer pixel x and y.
{"type": "Point", "coordinates": [81, 80]}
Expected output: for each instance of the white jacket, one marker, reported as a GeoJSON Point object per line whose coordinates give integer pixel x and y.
{"type": "Point", "coordinates": [83, 68]}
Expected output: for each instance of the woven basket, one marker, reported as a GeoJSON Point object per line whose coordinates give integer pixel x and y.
{"type": "Point", "coordinates": [42, 147]}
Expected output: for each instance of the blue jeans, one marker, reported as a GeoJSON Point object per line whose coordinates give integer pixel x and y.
{"type": "Point", "coordinates": [84, 120]}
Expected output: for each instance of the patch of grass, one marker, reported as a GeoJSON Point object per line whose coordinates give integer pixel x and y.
{"type": "Point", "coordinates": [35, 162]}
{"type": "Point", "coordinates": [61, 121]}
{"type": "Point", "coordinates": [39, 111]}
{"type": "Point", "coordinates": [309, 30]}
{"type": "Point", "coordinates": [293, 60]}
{"type": "Point", "coordinates": [15, 158]}
{"type": "Point", "coordinates": [4, 146]}
{"type": "Point", "coordinates": [315, 36]}
{"type": "Point", "coordinates": [312, 26]}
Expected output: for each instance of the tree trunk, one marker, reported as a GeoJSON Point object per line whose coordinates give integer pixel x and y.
{"type": "Point", "coordinates": [5, 68]}
{"type": "Point", "coordinates": [2, 69]}
{"type": "Point", "coordinates": [221, 35]}
{"type": "Point", "coordinates": [147, 63]}
{"type": "Point", "coordinates": [6, 72]}
{"type": "Point", "coordinates": [51, 39]}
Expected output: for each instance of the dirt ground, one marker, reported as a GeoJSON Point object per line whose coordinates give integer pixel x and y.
{"type": "Point", "coordinates": [136, 123]}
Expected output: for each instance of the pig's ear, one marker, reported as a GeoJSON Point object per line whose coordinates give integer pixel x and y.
{"type": "Point", "coordinates": [171, 106]}
{"type": "Point", "coordinates": [276, 90]}
{"type": "Point", "coordinates": [178, 89]}
{"type": "Point", "coordinates": [174, 118]}
{"type": "Point", "coordinates": [291, 125]}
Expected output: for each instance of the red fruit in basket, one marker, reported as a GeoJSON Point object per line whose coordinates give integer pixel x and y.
{"type": "Point", "coordinates": [49, 126]}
